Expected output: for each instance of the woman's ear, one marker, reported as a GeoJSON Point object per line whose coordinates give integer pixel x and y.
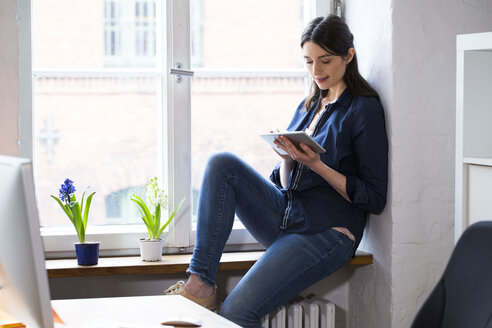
{"type": "Point", "coordinates": [350, 55]}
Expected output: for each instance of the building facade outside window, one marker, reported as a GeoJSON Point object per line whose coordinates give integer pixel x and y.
{"type": "Point", "coordinates": [129, 33]}
{"type": "Point", "coordinates": [101, 97]}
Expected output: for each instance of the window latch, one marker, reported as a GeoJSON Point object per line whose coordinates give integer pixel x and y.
{"type": "Point", "coordinates": [180, 72]}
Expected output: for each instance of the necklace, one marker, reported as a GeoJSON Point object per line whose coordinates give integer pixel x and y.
{"type": "Point", "coordinates": [326, 100]}
{"type": "Point", "coordinates": [330, 98]}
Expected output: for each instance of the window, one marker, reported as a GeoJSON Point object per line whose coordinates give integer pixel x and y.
{"type": "Point", "coordinates": [118, 208]}
{"type": "Point", "coordinates": [98, 113]}
{"type": "Point", "coordinates": [112, 37]}
{"type": "Point", "coordinates": [107, 113]}
{"type": "Point", "coordinates": [249, 79]}
{"type": "Point", "coordinates": [129, 33]}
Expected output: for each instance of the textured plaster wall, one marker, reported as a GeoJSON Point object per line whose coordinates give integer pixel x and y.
{"type": "Point", "coordinates": [9, 79]}
{"type": "Point", "coordinates": [370, 286]}
{"type": "Point", "coordinates": [408, 53]}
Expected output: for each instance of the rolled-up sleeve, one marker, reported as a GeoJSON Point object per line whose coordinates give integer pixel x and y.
{"type": "Point", "coordinates": [367, 189]}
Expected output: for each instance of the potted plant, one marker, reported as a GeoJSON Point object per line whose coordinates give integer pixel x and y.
{"type": "Point", "coordinates": [87, 252]}
{"type": "Point", "coordinates": [151, 247]}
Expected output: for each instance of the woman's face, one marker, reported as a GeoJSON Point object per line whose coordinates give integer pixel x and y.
{"type": "Point", "coordinates": [327, 70]}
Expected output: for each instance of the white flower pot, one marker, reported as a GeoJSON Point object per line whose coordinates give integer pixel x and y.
{"type": "Point", "coordinates": [151, 249]}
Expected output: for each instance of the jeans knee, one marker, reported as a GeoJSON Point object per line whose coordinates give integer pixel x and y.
{"type": "Point", "coordinates": [240, 313]}
{"type": "Point", "coordinates": [219, 162]}
{"type": "Point", "coordinates": [226, 311]}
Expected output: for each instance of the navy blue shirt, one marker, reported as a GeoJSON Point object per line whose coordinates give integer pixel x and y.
{"type": "Point", "coordinates": [353, 132]}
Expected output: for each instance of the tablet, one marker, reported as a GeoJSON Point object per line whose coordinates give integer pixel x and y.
{"type": "Point", "coordinates": [296, 137]}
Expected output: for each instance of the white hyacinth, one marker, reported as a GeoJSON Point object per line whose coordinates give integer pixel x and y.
{"type": "Point", "coordinates": [155, 195]}
{"type": "Point", "coordinates": [157, 199]}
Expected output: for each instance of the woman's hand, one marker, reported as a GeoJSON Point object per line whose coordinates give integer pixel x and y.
{"type": "Point", "coordinates": [311, 159]}
{"type": "Point", "coordinates": [286, 165]}
{"type": "Point", "coordinates": [284, 157]}
{"type": "Point", "coordinates": [305, 155]}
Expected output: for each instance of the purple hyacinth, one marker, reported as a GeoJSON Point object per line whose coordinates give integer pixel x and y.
{"type": "Point", "coordinates": [66, 189]}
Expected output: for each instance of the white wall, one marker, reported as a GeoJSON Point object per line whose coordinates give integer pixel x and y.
{"type": "Point", "coordinates": [412, 47]}
{"type": "Point", "coordinates": [9, 79]}
{"type": "Point", "coordinates": [424, 61]}
{"type": "Point", "coordinates": [370, 286]}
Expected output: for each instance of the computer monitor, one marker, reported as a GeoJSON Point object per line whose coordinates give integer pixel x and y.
{"type": "Point", "coordinates": [24, 291]}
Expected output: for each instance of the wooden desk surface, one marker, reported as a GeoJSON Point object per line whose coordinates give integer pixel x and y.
{"type": "Point", "coordinates": [132, 312]}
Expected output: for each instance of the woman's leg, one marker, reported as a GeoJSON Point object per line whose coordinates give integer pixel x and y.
{"type": "Point", "coordinates": [290, 265]}
{"type": "Point", "coordinates": [230, 185]}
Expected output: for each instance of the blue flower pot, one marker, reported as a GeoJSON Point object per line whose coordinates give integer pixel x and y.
{"type": "Point", "coordinates": [87, 253]}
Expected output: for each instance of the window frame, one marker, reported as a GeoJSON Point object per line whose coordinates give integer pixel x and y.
{"type": "Point", "coordinates": [176, 162]}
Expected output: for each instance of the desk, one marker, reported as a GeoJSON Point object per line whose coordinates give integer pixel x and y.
{"type": "Point", "coordinates": [8, 321]}
{"type": "Point", "coordinates": [134, 311]}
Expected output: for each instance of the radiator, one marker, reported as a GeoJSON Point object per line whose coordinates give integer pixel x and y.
{"type": "Point", "coordinates": [309, 312]}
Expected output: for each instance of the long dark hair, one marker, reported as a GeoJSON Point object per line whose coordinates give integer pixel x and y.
{"type": "Point", "coordinates": [333, 35]}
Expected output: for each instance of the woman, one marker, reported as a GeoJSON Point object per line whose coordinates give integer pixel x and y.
{"type": "Point", "coordinates": [311, 219]}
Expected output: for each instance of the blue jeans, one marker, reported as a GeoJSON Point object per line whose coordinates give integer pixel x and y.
{"type": "Point", "coordinates": [291, 263]}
